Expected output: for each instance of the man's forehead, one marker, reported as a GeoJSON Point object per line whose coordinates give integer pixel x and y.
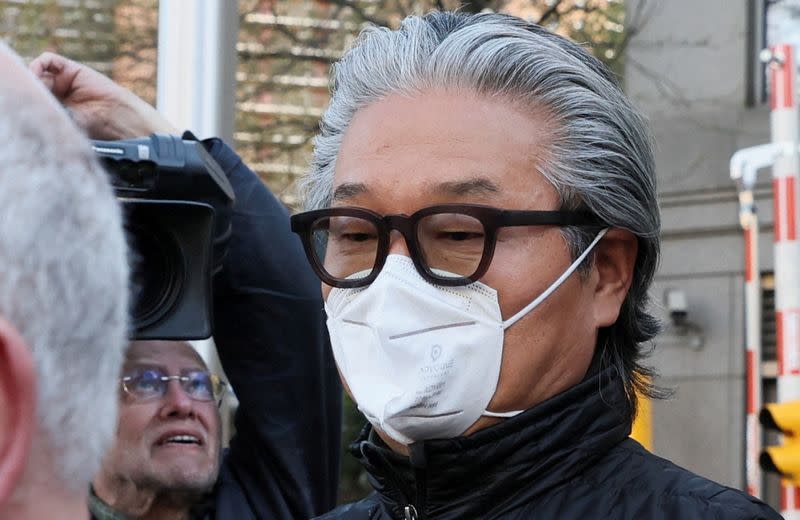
{"type": "Point", "coordinates": [164, 353]}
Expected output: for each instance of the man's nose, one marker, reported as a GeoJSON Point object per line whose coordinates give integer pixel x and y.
{"type": "Point", "coordinates": [176, 402]}
{"type": "Point", "coordinates": [398, 244]}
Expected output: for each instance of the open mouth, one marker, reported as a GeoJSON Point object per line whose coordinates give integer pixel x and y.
{"type": "Point", "coordinates": [180, 440]}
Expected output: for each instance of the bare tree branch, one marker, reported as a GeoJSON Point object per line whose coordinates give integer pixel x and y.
{"type": "Point", "coordinates": [551, 11]}
{"type": "Point", "coordinates": [638, 22]}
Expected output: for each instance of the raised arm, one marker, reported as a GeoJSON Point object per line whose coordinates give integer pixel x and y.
{"type": "Point", "coordinates": [269, 323]}
{"type": "Point", "coordinates": [270, 330]}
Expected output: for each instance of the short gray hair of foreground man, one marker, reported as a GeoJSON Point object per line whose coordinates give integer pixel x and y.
{"type": "Point", "coordinates": [63, 304]}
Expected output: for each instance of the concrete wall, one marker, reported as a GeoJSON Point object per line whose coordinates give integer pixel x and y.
{"type": "Point", "coordinates": [687, 70]}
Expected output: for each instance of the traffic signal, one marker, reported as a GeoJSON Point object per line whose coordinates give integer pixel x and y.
{"type": "Point", "coordinates": [784, 459]}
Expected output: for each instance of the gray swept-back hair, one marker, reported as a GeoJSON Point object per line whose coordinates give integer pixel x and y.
{"type": "Point", "coordinates": [63, 276]}
{"type": "Point", "coordinates": [600, 157]}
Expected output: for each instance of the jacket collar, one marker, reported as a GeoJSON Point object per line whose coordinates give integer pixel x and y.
{"type": "Point", "coordinates": [506, 465]}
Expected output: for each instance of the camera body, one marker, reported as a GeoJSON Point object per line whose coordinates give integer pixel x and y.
{"type": "Point", "coordinates": [177, 203]}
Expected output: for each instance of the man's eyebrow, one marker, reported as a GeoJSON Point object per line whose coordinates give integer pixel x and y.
{"type": "Point", "coordinates": [348, 190]}
{"type": "Point", "coordinates": [475, 186]}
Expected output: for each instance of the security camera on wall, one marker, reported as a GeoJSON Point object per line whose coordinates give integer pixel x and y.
{"type": "Point", "coordinates": [678, 306]}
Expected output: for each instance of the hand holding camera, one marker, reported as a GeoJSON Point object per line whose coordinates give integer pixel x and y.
{"type": "Point", "coordinates": [102, 108]}
{"type": "Point", "coordinates": [177, 201]}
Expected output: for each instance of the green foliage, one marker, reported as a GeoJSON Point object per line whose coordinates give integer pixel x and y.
{"type": "Point", "coordinates": [600, 26]}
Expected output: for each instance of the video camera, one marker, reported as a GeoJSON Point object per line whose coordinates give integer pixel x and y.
{"type": "Point", "coordinates": [177, 203]}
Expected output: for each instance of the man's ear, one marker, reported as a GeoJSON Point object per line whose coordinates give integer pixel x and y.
{"type": "Point", "coordinates": [17, 407]}
{"type": "Point", "coordinates": [614, 261]}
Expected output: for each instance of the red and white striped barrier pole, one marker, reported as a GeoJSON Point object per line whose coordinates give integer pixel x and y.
{"type": "Point", "coordinates": [784, 129]}
{"type": "Point", "coordinates": [744, 170]}
{"type": "Point", "coordinates": [752, 305]}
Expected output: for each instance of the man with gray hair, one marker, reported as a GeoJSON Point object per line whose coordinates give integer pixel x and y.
{"type": "Point", "coordinates": [483, 217]}
{"type": "Point", "coordinates": [63, 304]}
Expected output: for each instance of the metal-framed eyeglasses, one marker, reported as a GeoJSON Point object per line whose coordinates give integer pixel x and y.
{"type": "Point", "coordinates": [450, 244]}
{"type": "Point", "coordinates": [151, 383]}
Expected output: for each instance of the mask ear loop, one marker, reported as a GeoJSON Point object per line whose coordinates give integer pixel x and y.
{"type": "Point", "coordinates": [528, 308]}
{"type": "Point", "coordinates": [502, 415]}
{"type": "Point", "coordinates": [555, 285]}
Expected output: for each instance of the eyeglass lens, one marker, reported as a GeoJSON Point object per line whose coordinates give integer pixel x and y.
{"type": "Point", "coordinates": [450, 244]}
{"type": "Point", "coordinates": [151, 383]}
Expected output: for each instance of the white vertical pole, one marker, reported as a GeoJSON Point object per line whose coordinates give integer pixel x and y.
{"type": "Point", "coordinates": [197, 65]}
{"type": "Point", "coordinates": [784, 129]}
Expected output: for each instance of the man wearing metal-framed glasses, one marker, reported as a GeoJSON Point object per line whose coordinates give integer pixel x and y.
{"type": "Point", "coordinates": [169, 433]}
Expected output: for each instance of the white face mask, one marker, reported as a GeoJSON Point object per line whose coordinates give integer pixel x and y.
{"type": "Point", "coordinates": [422, 361]}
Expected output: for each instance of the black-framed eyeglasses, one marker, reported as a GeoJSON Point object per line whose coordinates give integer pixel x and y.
{"type": "Point", "coordinates": [450, 244]}
{"type": "Point", "coordinates": [151, 383]}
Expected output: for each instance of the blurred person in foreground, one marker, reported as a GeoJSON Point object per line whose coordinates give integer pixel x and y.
{"type": "Point", "coordinates": [483, 216]}
{"type": "Point", "coordinates": [63, 304]}
{"type": "Point", "coordinates": [269, 330]}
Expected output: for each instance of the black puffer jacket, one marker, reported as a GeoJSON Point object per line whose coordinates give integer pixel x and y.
{"type": "Point", "coordinates": [569, 457]}
{"type": "Point", "coordinates": [270, 334]}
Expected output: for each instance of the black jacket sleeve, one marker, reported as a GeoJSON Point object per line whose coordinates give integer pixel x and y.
{"type": "Point", "coordinates": [272, 340]}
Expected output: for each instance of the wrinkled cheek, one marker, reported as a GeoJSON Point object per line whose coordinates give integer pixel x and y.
{"type": "Point", "coordinates": [527, 356]}
{"type": "Point", "coordinates": [216, 454]}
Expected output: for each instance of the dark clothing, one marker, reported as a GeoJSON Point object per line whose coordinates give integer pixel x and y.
{"type": "Point", "coordinates": [270, 333]}
{"type": "Point", "coordinates": [283, 462]}
{"type": "Point", "coordinates": [567, 458]}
